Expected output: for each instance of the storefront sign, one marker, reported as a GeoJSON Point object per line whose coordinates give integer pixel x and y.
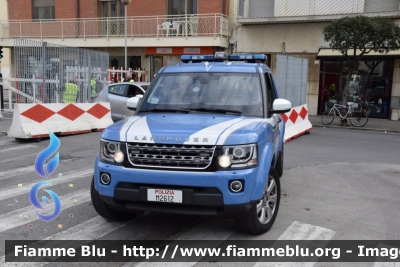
{"type": "Point", "coordinates": [180, 50]}
{"type": "Point", "coordinates": [191, 50]}
{"type": "Point", "coordinates": [164, 50]}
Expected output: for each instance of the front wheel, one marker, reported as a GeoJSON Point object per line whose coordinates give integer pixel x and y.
{"type": "Point", "coordinates": [263, 213]}
{"type": "Point", "coordinates": [358, 118]}
{"type": "Point", "coordinates": [328, 117]}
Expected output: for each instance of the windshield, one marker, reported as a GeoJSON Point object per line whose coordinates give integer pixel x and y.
{"type": "Point", "coordinates": [236, 93]}
{"type": "Point", "coordinates": [144, 87]}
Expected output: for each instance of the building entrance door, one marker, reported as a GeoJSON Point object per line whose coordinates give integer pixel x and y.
{"type": "Point", "coordinates": [157, 64]}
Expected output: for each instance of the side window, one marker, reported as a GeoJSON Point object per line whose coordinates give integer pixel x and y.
{"type": "Point", "coordinates": [118, 89]}
{"type": "Point", "coordinates": [270, 90]}
{"type": "Point", "coordinates": [133, 91]}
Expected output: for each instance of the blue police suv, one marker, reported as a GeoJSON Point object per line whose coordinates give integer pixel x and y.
{"type": "Point", "coordinates": [206, 139]}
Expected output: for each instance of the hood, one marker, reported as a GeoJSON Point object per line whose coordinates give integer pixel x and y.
{"type": "Point", "coordinates": [196, 129]}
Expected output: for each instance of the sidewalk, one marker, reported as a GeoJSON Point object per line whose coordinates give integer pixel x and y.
{"type": "Point", "coordinates": [5, 123]}
{"type": "Point", "coordinates": [372, 124]}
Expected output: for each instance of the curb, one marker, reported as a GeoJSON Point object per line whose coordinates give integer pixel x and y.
{"type": "Point", "coordinates": [356, 128]}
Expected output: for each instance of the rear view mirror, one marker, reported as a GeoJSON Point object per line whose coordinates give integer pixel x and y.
{"type": "Point", "coordinates": [281, 105]}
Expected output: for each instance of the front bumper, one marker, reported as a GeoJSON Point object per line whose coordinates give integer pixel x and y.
{"type": "Point", "coordinates": [204, 193]}
{"type": "Point", "coordinates": [224, 211]}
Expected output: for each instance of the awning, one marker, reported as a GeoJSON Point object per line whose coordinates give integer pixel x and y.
{"type": "Point", "coordinates": [334, 55]}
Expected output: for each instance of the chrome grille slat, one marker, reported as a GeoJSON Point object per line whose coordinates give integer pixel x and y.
{"type": "Point", "coordinates": [169, 156]}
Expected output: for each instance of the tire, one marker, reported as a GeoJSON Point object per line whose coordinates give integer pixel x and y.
{"type": "Point", "coordinates": [279, 163]}
{"type": "Point", "coordinates": [358, 118]}
{"type": "Point", "coordinates": [104, 210]}
{"type": "Point", "coordinates": [328, 117]}
{"type": "Point", "coordinates": [254, 222]}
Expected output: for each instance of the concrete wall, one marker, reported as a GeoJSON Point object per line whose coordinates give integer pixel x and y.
{"type": "Point", "coordinates": [301, 37]}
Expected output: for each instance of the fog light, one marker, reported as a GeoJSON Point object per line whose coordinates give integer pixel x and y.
{"type": "Point", "coordinates": [224, 161]}
{"type": "Point", "coordinates": [236, 186]}
{"type": "Point", "coordinates": [119, 157]}
{"type": "Point", "coordinates": [105, 178]}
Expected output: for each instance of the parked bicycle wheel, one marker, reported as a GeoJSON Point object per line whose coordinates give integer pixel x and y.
{"type": "Point", "coordinates": [358, 118]}
{"type": "Point", "coordinates": [328, 116]}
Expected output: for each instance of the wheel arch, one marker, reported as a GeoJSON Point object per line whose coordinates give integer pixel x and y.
{"type": "Point", "coordinates": [266, 156]}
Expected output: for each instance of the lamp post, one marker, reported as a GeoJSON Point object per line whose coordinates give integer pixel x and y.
{"type": "Point", "coordinates": [126, 2]}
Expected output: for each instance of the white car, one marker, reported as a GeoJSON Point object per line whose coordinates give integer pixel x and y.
{"type": "Point", "coordinates": [117, 94]}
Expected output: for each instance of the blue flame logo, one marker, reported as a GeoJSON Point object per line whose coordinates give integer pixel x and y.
{"type": "Point", "coordinates": [45, 170]}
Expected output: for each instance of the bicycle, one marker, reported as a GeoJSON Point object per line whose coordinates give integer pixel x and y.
{"type": "Point", "coordinates": [357, 118]}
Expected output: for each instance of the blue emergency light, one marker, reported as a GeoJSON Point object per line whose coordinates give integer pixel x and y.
{"type": "Point", "coordinates": [221, 56]}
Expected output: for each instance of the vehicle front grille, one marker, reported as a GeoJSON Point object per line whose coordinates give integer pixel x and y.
{"type": "Point", "coordinates": [170, 156]}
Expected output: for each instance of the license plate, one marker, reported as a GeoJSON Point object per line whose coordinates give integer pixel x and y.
{"type": "Point", "coordinates": [164, 195]}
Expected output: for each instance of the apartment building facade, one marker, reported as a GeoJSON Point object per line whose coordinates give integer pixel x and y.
{"type": "Point", "coordinates": [295, 27]}
{"type": "Point", "coordinates": [158, 32]}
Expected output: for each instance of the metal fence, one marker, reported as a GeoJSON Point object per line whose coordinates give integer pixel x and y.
{"type": "Point", "coordinates": [292, 10]}
{"type": "Point", "coordinates": [150, 26]}
{"type": "Point", "coordinates": [43, 69]}
{"type": "Point", "coordinates": [291, 79]}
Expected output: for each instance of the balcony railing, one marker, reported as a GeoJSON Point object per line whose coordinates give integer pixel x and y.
{"type": "Point", "coordinates": [276, 11]}
{"type": "Point", "coordinates": [191, 25]}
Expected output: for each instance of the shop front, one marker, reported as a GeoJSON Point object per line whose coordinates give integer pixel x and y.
{"type": "Point", "coordinates": [371, 85]}
{"type": "Point", "coordinates": [167, 56]}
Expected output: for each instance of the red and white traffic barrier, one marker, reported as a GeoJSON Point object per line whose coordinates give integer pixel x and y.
{"type": "Point", "coordinates": [296, 122]}
{"type": "Point", "coordinates": [36, 120]}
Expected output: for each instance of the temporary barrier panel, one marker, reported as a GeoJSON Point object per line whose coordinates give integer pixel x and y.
{"type": "Point", "coordinates": [36, 120]}
{"type": "Point", "coordinates": [296, 122]}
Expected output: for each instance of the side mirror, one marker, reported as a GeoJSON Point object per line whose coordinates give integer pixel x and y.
{"type": "Point", "coordinates": [133, 102]}
{"type": "Point", "coordinates": [281, 105]}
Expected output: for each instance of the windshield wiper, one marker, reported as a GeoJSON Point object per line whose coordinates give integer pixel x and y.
{"type": "Point", "coordinates": [217, 110]}
{"type": "Point", "coordinates": [166, 110]}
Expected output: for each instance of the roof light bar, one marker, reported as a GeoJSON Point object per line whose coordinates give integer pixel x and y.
{"type": "Point", "coordinates": [221, 56]}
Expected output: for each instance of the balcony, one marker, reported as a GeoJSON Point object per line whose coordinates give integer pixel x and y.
{"type": "Point", "coordinates": [212, 29]}
{"type": "Point", "coordinates": [297, 11]}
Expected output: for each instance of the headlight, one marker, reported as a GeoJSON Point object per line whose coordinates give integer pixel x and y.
{"type": "Point", "coordinates": [111, 152]}
{"type": "Point", "coordinates": [238, 156]}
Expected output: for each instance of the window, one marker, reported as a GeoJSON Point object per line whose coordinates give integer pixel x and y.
{"type": "Point", "coordinates": [133, 91]}
{"type": "Point", "coordinates": [112, 9]}
{"type": "Point", "coordinates": [225, 92]}
{"type": "Point", "coordinates": [177, 7]}
{"type": "Point", "coordinates": [270, 91]}
{"type": "Point", "coordinates": [117, 89]}
{"type": "Point", "coordinates": [43, 9]}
